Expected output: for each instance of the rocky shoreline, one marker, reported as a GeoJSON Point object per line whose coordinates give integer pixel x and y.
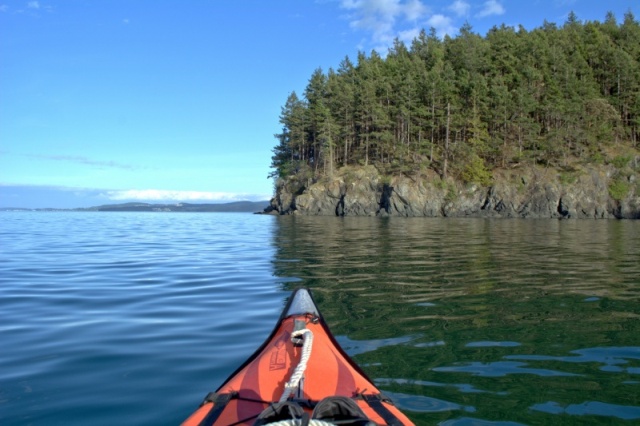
{"type": "Point", "coordinates": [515, 193]}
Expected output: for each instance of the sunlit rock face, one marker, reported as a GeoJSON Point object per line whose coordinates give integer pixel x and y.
{"type": "Point", "coordinates": [519, 193]}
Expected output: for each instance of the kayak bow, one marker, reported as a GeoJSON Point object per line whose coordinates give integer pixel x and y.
{"type": "Point", "coordinates": [300, 375]}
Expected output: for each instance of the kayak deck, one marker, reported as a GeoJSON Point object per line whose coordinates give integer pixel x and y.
{"type": "Point", "coordinates": [328, 372]}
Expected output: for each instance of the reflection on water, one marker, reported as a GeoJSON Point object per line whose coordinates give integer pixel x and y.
{"type": "Point", "coordinates": [514, 321]}
{"type": "Point", "coordinates": [610, 357]}
{"type": "Point", "coordinates": [461, 387]}
{"type": "Point", "coordinates": [500, 368]}
{"type": "Point", "coordinates": [590, 408]}
{"type": "Point", "coordinates": [355, 347]}
{"type": "Point", "coordinates": [423, 404]}
{"type": "Point", "coordinates": [487, 344]}
{"type": "Point", "coordinates": [466, 421]}
{"type": "Point", "coordinates": [463, 322]}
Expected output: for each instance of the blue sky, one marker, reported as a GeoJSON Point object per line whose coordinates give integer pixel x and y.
{"type": "Point", "coordinates": [107, 101]}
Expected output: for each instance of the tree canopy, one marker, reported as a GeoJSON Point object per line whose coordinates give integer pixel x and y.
{"type": "Point", "coordinates": [470, 104]}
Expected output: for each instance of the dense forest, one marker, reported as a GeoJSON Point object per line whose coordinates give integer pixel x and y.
{"type": "Point", "coordinates": [467, 105]}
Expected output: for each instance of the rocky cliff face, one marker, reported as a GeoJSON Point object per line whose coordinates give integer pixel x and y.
{"type": "Point", "coordinates": [524, 193]}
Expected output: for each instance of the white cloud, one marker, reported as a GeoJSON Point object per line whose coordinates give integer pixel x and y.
{"type": "Point", "coordinates": [186, 196]}
{"type": "Point", "coordinates": [37, 7]}
{"type": "Point", "coordinates": [381, 18]}
{"type": "Point", "coordinates": [84, 160]}
{"type": "Point", "coordinates": [409, 35]}
{"type": "Point", "coordinates": [4, 8]}
{"type": "Point", "coordinates": [460, 7]}
{"type": "Point", "coordinates": [491, 7]}
{"type": "Point", "coordinates": [563, 3]}
{"type": "Point", "coordinates": [414, 10]}
{"type": "Point", "coordinates": [442, 24]}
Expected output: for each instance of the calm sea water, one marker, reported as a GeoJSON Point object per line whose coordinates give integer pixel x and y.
{"type": "Point", "coordinates": [131, 318]}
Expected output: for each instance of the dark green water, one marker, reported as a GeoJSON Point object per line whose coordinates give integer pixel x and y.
{"type": "Point", "coordinates": [481, 321]}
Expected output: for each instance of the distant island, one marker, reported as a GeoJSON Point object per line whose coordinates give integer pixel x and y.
{"type": "Point", "coordinates": [542, 123]}
{"type": "Point", "coordinates": [234, 207]}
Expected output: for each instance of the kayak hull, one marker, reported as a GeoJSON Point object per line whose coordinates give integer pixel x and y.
{"type": "Point", "coordinates": [260, 382]}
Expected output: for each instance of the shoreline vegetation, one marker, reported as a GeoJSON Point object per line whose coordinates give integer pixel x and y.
{"type": "Point", "coordinates": [540, 123]}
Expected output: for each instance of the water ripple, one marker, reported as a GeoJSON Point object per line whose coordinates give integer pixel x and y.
{"type": "Point", "coordinates": [469, 421]}
{"type": "Point", "coordinates": [593, 408]}
{"type": "Point", "coordinates": [500, 368]}
{"type": "Point", "coordinates": [102, 312]}
{"type": "Point", "coordinates": [106, 314]}
{"type": "Point", "coordinates": [422, 404]}
{"type": "Point", "coordinates": [610, 357]}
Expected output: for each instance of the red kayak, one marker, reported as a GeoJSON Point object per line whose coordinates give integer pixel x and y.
{"type": "Point", "coordinates": [299, 376]}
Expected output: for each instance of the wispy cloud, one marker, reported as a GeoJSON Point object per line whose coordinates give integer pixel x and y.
{"type": "Point", "coordinates": [382, 18]}
{"type": "Point", "coordinates": [414, 10]}
{"type": "Point", "coordinates": [442, 24]}
{"type": "Point", "coordinates": [408, 35]}
{"type": "Point", "coordinates": [460, 8]}
{"type": "Point", "coordinates": [172, 196]}
{"type": "Point", "coordinates": [41, 7]}
{"type": "Point", "coordinates": [490, 8]}
{"type": "Point", "coordinates": [4, 8]}
{"type": "Point", "coordinates": [29, 8]}
{"type": "Point", "coordinates": [86, 161]}
{"type": "Point", "coordinates": [564, 3]}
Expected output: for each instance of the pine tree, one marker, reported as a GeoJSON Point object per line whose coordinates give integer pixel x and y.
{"type": "Point", "coordinates": [464, 106]}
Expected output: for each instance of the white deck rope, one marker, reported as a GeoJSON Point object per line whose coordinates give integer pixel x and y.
{"type": "Point", "coordinates": [293, 382]}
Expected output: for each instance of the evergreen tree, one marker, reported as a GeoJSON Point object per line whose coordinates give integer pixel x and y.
{"type": "Point", "coordinates": [470, 104]}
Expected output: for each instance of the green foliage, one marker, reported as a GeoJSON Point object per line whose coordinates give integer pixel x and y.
{"type": "Point", "coordinates": [349, 175]}
{"type": "Point", "coordinates": [619, 189]}
{"type": "Point", "coordinates": [555, 95]}
{"type": "Point", "coordinates": [440, 184]}
{"type": "Point", "coordinates": [521, 186]}
{"type": "Point", "coordinates": [450, 190]}
{"type": "Point", "coordinates": [621, 161]}
{"type": "Point", "coordinates": [597, 158]}
{"type": "Point", "coordinates": [452, 193]}
{"type": "Point", "coordinates": [475, 171]}
{"type": "Point", "coordinates": [567, 178]}
{"type": "Point", "coordinates": [386, 179]}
